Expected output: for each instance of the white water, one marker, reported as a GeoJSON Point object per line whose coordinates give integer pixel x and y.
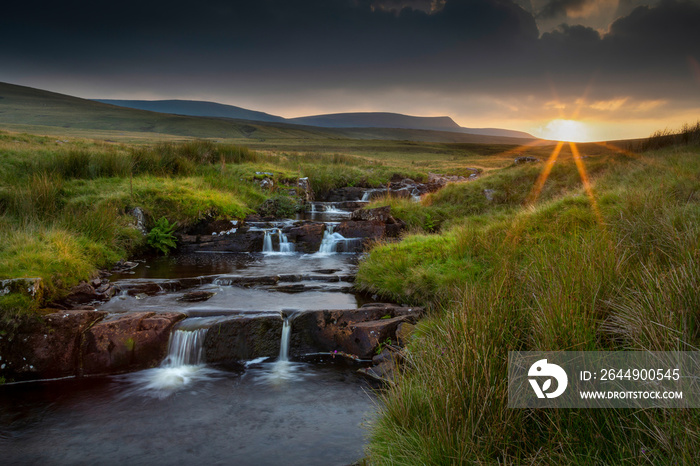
{"type": "Point", "coordinates": [366, 195]}
{"type": "Point", "coordinates": [186, 347]}
{"type": "Point", "coordinates": [283, 370]}
{"type": "Point", "coordinates": [267, 243]}
{"type": "Point", "coordinates": [183, 365]}
{"type": "Point", "coordinates": [284, 342]}
{"type": "Point", "coordinates": [284, 245]}
{"type": "Point", "coordinates": [329, 243]}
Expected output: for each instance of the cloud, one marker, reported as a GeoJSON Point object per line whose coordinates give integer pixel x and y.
{"type": "Point", "coordinates": [458, 52]}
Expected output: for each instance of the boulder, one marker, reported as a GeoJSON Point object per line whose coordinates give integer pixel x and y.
{"type": "Point", "coordinates": [355, 331]}
{"type": "Point", "coordinates": [361, 229]}
{"type": "Point", "coordinates": [243, 240]}
{"type": "Point", "coordinates": [348, 193]}
{"type": "Point", "coordinates": [128, 342]}
{"type": "Point", "coordinates": [379, 214]}
{"type": "Point", "coordinates": [307, 236]}
{"type": "Point", "coordinates": [46, 347]}
{"type": "Point", "coordinates": [383, 372]}
{"type": "Point", "coordinates": [242, 337]}
{"type": "Point", "coordinates": [83, 293]}
{"type": "Point", "coordinates": [525, 159]}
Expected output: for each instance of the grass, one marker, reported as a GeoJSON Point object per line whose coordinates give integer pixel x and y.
{"type": "Point", "coordinates": [505, 276]}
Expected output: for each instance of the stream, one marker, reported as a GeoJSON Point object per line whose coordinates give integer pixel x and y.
{"type": "Point", "coordinates": [275, 411]}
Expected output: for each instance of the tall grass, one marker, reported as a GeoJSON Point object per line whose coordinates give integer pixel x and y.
{"type": "Point", "coordinates": [687, 135]}
{"type": "Point", "coordinates": [551, 278]}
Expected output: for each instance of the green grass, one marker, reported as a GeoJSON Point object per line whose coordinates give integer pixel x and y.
{"type": "Point", "coordinates": [504, 276]}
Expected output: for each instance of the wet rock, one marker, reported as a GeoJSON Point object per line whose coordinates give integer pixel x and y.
{"type": "Point", "coordinates": [124, 266]}
{"type": "Point", "coordinates": [379, 214]}
{"type": "Point", "coordinates": [85, 293]}
{"type": "Point", "coordinates": [385, 355]}
{"type": "Point", "coordinates": [307, 236]}
{"type": "Point", "coordinates": [241, 338]}
{"type": "Point", "coordinates": [355, 331]}
{"type": "Point", "coordinates": [196, 296]}
{"type": "Point", "coordinates": [358, 229]}
{"type": "Point", "coordinates": [135, 288]}
{"type": "Point", "coordinates": [131, 341]}
{"type": "Point", "coordinates": [243, 240]}
{"type": "Point", "coordinates": [348, 193]}
{"type": "Point", "coordinates": [382, 372]}
{"type": "Point", "coordinates": [46, 347]}
{"type": "Point", "coordinates": [525, 159]}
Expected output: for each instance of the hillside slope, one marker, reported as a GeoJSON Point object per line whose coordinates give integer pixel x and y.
{"type": "Point", "coordinates": [20, 105]}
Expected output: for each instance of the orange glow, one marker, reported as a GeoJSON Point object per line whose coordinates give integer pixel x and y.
{"type": "Point", "coordinates": [545, 174]}
{"type": "Point", "coordinates": [566, 130]}
{"type": "Point", "coordinates": [586, 182]}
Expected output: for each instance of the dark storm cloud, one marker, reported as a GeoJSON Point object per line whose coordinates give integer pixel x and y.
{"type": "Point", "coordinates": [275, 46]}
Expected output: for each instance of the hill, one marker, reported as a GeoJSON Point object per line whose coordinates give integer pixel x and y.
{"type": "Point", "coordinates": [335, 120]}
{"type": "Point", "coordinates": [22, 107]}
{"type": "Point", "coordinates": [195, 108]}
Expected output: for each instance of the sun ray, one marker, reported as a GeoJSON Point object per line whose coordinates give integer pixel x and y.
{"type": "Point", "coordinates": [539, 184]}
{"type": "Point", "coordinates": [586, 182]}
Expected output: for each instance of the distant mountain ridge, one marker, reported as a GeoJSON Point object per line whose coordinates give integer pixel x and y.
{"type": "Point", "coordinates": [334, 120]}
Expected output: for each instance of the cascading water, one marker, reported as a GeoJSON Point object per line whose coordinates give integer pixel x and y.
{"type": "Point", "coordinates": [329, 243]}
{"type": "Point", "coordinates": [284, 341]}
{"type": "Point", "coordinates": [285, 245]}
{"type": "Point", "coordinates": [267, 243]}
{"type": "Point", "coordinates": [183, 365]}
{"type": "Point", "coordinates": [186, 347]}
{"type": "Point", "coordinates": [366, 195]}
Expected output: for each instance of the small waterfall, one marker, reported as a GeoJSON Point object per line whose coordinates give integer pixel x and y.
{"type": "Point", "coordinates": [267, 242]}
{"type": "Point", "coordinates": [285, 245]}
{"type": "Point", "coordinates": [366, 195]}
{"type": "Point", "coordinates": [183, 365]}
{"type": "Point", "coordinates": [329, 243]}
{"type": "Point", "coordinates": [313, 208]}
{"type": "Point", "coordinates": [332, 209]}
{"type": "Point", "coordinates": [186, 348]}
{"type": "Point", "coordinates": [286, 337]}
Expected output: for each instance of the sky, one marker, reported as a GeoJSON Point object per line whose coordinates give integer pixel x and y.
{"type": "Point", "coordinates": [619, 68]}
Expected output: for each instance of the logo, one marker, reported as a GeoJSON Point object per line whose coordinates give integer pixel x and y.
{"type": "Point", "coordinates": [542, 369]}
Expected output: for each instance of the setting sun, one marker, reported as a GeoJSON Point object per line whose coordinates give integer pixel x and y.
{"type": "Point", "coordinates": [566, 130]}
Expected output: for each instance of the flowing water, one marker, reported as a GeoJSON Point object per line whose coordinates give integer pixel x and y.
{"type": "Point", "coordinates": [277, 411]}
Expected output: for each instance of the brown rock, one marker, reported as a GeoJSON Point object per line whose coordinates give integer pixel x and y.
{"type": "Point", "coordinates": [355, 331]}
{"type": "Point", "coordinates": [241, 338]}
{"type": "Point", "coordinates": [83, 293]}
{"type": "Point", "coordinates": [307, 236]}
{"type": "Point", "coordinates": [361, 229]}
{"type": "Point", "coordinates": [131, 341]}
{"type": "Point", "coordinates": [379, 214]}
{"type": "Point", "coordinates": [46, 348]}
